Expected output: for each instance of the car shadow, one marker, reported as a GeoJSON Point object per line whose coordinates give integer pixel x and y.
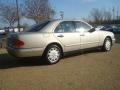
{"type": "Point", "coordinates": [117, 37]}
{"type": "Point", "coordinates": [7, 61]}
{"type": "Point", "coordinates": [82, 52]}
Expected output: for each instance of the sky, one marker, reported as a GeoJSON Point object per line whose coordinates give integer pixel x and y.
{"type": "Point", "coordinates": [81, 8]}
{"type": "Point", "coordinates": [76, 9]}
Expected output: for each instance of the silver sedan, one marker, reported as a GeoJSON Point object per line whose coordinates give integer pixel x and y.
{"type": "Point", "coordinates": [51, 39]}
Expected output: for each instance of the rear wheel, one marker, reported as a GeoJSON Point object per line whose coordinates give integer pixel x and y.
{"type": "Point", "coordinates": [52, 54]}
{"type": "Point", "coordinates": [107, 44]}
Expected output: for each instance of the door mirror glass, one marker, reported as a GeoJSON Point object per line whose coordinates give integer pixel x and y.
{"type": "Point", "coordinates": [92, 30]}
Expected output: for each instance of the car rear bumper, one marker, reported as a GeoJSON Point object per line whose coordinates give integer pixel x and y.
{"type": "Point", "coordinates": [25, 52]}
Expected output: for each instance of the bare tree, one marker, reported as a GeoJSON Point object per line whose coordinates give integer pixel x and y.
{"type": "Point", "coordinates": [96, 15]}
{"type": "Point", "coordinates": [39, 10]}
{"type": "Point", "coordinates": [107, 15]}
{"type": "Point", "coordinates": [103, 16]}
{"type": "Point", "coordinates": [9, 14]}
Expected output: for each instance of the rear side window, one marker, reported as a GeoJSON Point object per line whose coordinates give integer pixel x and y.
{"type": "Point", "coordinates": [38, 27]}
{"type": "Point", "coordinates": [82, 27]}
{"type": "Point", "coordinates": [65, 27]}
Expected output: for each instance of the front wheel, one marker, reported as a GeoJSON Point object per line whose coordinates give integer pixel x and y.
{"type": "Point", "coordinates": [107, 44]}
{"type": "Point", "coordinates": [52, 54]}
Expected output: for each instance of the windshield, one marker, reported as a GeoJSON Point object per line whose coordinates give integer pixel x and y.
{"type": "Point", "coordinates": [38, 27]}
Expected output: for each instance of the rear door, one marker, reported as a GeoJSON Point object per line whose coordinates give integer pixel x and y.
{"type": "Point", "coordinates": [66, 34]}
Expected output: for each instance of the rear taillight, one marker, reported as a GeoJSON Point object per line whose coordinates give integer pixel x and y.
{"type": "Point", "coordinates": [17, 43]}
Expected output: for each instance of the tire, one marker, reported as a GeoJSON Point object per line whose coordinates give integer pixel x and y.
{"type": "Point", "coordinates": [52, 54]}
{"type": "Point", "coordinates": [107, 44]}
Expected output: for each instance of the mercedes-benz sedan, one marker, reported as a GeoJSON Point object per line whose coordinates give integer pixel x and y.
{"type": "Point", "coordinates": [51, 39]}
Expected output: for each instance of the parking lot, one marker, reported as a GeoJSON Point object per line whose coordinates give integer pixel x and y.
{"type": "Point", "coordinates": [91, 70]}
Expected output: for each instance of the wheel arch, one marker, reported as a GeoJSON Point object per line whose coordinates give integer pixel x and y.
{"type": "Point", "coordinates": [55, 43]}
{"type": "Point", "coordinates": [108, 37]}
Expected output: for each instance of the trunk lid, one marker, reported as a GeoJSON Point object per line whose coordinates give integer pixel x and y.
{"type": "Point", "coordinates": [25, 40]}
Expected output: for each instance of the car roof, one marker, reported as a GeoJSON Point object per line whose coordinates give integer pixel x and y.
{"type": "Point", "coordinates": [61, 20]}
{"type": "Point", "coordinates": [54, 22]}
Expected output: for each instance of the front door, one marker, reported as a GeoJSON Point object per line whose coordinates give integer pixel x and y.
{"type": "Point", "coordinates": [90, 39]}
{"type": "Point", "coordinates": [87, 39]}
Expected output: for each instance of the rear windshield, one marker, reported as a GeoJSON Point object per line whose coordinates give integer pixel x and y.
{"type": "Point", "coordinates": [38, 27]}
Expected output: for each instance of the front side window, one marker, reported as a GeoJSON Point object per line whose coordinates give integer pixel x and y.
{"type": "Point", "coordinates": [65, 27]}
{"type": "Point", "coordinates": [82, 27]}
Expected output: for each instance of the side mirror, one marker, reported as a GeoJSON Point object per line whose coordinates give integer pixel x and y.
{"type": "Point", "coordinates": [92, 30]}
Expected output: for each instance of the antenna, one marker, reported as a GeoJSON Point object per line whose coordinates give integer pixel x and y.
{"type": "Point", "coordinates": [62, 14]}
{"type": "Point", "coordinates": [18, 15]}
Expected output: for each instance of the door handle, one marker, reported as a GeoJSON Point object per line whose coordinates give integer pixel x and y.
{"type": "Point", "coordinates": [82, 35]}
{"type": "Point", "coordinates": [60, 36]}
